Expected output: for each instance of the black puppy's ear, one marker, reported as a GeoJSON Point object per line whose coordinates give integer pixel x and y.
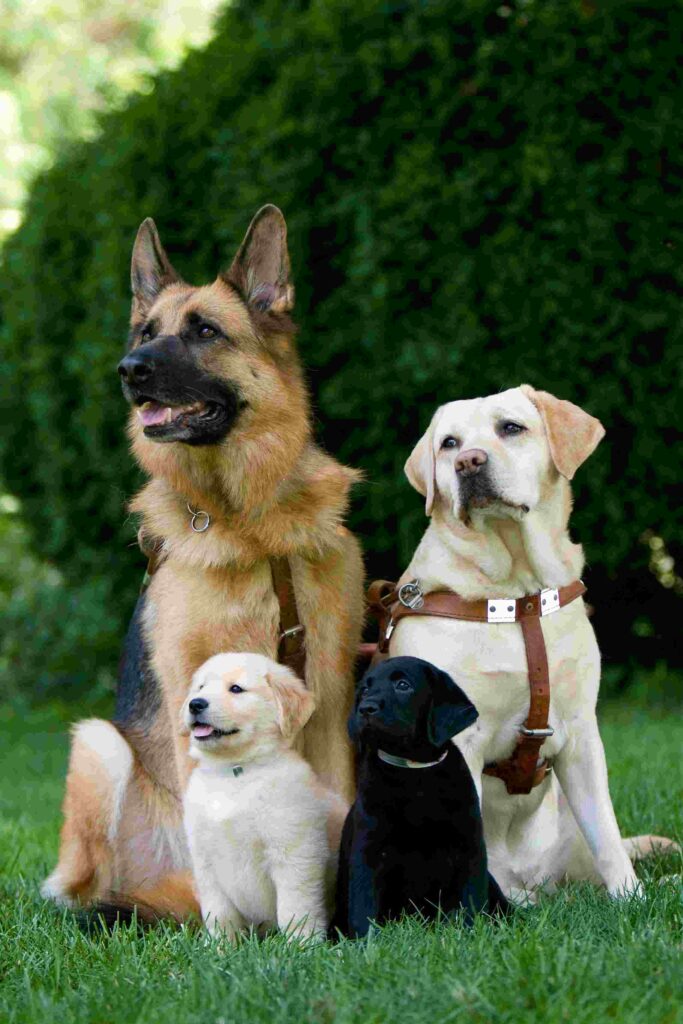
{"type": "Point", "coordinates": [451, 710]}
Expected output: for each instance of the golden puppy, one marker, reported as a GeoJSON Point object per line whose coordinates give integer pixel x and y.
{"type": "Point", "coordinates": [263, 831]}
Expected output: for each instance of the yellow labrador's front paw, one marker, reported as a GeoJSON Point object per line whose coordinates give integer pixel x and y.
{"type": "Point", "coordinates": [630, 889]}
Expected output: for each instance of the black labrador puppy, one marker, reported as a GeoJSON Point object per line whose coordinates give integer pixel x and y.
{"type": "Point", "coordinates": [413, 840]}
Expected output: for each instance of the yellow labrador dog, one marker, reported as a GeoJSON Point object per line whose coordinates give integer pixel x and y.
{"type": "Point", "coordinates": [495, 474]}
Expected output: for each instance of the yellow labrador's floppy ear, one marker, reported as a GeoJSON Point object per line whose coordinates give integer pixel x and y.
{"type": "Point", "coordinates": [150, 268]}
{"type": "Point", "coordinates": [295, 704]}
{"type": "Point", "coordinates": [260, 270]}
{"type": "Point", "coordinates": [421, 467]}
{"type": "Point", "coordinates": [572, 434]}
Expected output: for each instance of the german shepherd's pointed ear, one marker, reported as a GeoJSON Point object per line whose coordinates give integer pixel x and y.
{"type": "Point", "coordinates": [295, 704]}
{"type": "Point", "coordinates": [260, 270]}
{"type": "Point", "coordinates": [150, 269]}
{"type": "Point", "coordinates": [451, 710]}
{"type": "Point", "coordinates": [421, 466]}
{"type": "Point", "coordinates": [572, 434]}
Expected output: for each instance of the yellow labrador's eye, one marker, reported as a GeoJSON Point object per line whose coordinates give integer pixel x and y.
{"type": "Point", "coordinates": [509, 428]}
{"type": "Point", "coordinates": [236, 689]}
{"type": "Point", "coordinates": [450, 442]}
{"type": "Point", "coordinates": [206, 332]}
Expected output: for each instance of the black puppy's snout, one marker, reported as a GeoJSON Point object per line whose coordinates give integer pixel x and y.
{"type": "Point", "coordinates": [135, 368]}
{"type": "Point", "coordinates": [198, 704]}
{"type": "Point", "coordinates": [369, 708]}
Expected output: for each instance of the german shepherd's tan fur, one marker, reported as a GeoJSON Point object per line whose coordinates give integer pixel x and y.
{"type": "Point", "coordinates": [270, 491]}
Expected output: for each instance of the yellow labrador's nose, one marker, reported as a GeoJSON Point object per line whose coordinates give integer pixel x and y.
{"type": "Point", "coordinates": [470, 462]}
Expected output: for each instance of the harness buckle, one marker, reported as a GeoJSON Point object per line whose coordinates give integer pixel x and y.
{"type": "Point", "coordinates": [501, 609]}
{"type": "Point", "coordinates": [410, 595]}
{"type": "Point", "coordinates": [550, 601]}
{"type": "Point", "coordinates": [537, 732]}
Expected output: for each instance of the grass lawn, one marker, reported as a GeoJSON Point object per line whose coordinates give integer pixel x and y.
{"type": "Point", "coordinates": [577, 957]}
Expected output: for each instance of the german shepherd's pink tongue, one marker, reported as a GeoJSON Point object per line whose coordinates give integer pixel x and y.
{"type": "Point", "coordinates": [153, 413]}
{"type": "Point", "coordinates": [201, 730]}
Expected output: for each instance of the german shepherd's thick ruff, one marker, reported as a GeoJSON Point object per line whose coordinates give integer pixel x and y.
{"type": "Point", "coordinates": [220, 421]}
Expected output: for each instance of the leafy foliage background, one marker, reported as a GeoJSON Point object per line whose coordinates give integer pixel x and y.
{"type": "Point", "coordinates": [477, 195]}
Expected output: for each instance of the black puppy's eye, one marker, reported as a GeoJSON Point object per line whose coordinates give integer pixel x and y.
{"type": "Point", "coordinates": [402, 684]}
{"type": "Point", "coordinates": [509, 428]}
{"type": "Point", "coordinates": [236, 689]}
{"type": "Point", "coordinates": [206, 332]}
{"type": "Point", "coordinates": [450, 442]}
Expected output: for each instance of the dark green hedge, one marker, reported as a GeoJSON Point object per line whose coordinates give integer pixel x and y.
{"type": "Point", "coordinates": [477, 194]}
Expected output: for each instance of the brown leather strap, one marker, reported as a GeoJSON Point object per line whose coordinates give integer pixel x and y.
{"type": "Point", "coordinates": [521, 771]}
{"type": "Point", "coordinates": [446, 604]}
{"type": "Point", "coordinates": [291, 647]}
{"type": "Point", "coordinates": [152, 549]}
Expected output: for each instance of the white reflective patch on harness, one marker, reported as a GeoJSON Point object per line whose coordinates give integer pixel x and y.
{"type": "Point", "coordinates": [550, 601]}
{"type": "Point", "coordinates": [501, 609]}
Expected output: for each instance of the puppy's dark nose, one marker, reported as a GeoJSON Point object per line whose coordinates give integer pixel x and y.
{"type": "Point", "coordinates": [198, 704]}
{"type": "Point", "coordinates": [135, 368]}
{"type": "Point", "coordinates": [470, 462]}
{"type": "Point", "coordinates": [368, 708]}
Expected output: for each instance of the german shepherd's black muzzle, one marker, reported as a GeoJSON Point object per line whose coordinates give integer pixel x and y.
{"type": "Point", "coordinates": [176, 399]}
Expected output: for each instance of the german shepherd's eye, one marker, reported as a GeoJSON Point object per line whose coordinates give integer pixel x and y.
{"type": "Point", "coordinates": [147, 333]}
{"type": "Point", "coordinates": [509, 428]}
{"type": "Point", "coordinates": [206, 332]}
{"type": "Point", "coordinates": [236, 689]}
{"type": "Point", "coordinates": [450, 442]}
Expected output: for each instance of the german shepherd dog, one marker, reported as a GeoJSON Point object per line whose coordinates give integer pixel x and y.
{"type": "Point", "coordinates": [220, 422]}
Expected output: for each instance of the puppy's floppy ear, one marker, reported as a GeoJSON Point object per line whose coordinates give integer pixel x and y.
{"type": "Point", "coordinates": [572, 434]}
{"type": "Point", "coordinates": [260, 270]}
{"type": "Point", "coordinates": [451, 710]}
{"type": "Point", "coordinates": [421, 467]}
{"type": "Point", "coordinates": [150, 268]}
{"type": "Point", "coordinates": [295, 704]}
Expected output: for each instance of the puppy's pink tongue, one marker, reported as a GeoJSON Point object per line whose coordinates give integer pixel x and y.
{"type": "Point", "coordinates": [202, 730]}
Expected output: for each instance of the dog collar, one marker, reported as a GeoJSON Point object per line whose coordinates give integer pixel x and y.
{"type": "Point", "coordinates": [405, 762]}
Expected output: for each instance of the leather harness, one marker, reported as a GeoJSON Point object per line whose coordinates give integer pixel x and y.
{"type": "Point", "coordinates": [520, 772]}
{"type": "Point", "coordinates": [523, 769]}
{"type": "Point", "coordinates": [291, 647]}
